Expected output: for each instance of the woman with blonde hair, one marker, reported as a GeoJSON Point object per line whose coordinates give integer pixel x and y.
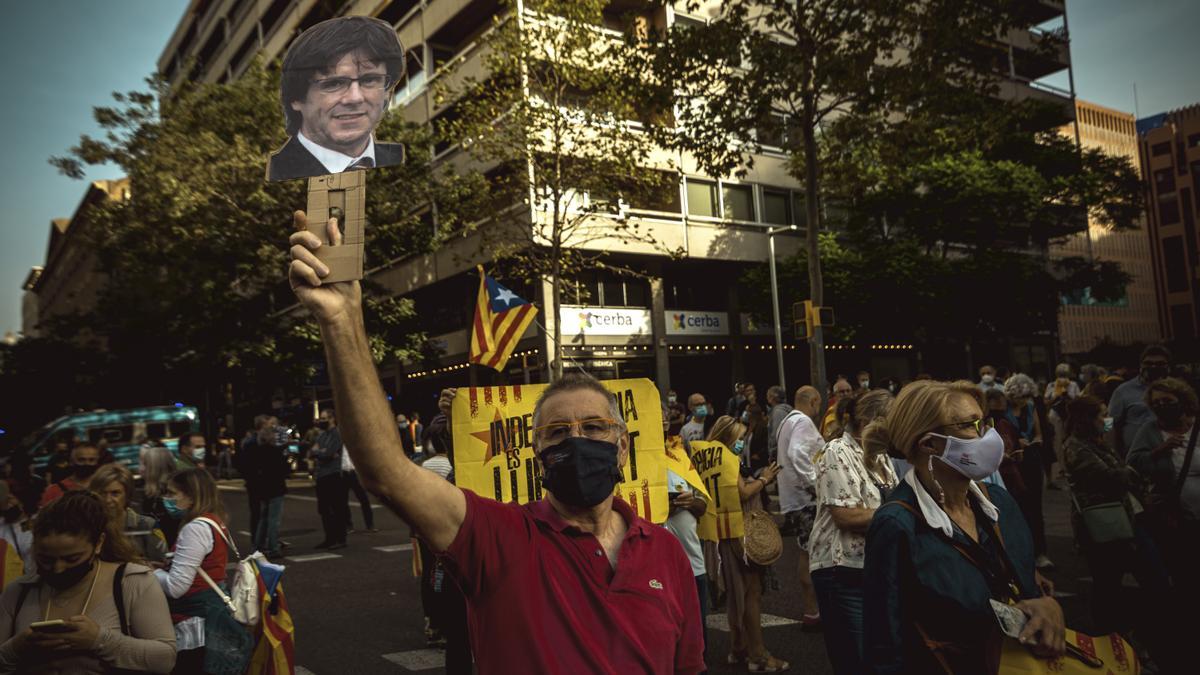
{"type": "Point", "coordinates": [851, 485]}
{"type": "Point", "coordinates": [943, 546]}
{"type": "Point", "coordinates": [744, 579]}
{"type": "Point", "coordinates": [114, 484]}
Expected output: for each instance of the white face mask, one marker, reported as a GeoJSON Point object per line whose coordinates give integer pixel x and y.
{"type": "Point", "coordinates": [988, 379]}
{"type": "Point", "coordinates": [975, 458]}
{"type": "Point", "coordinates": [198, 453]}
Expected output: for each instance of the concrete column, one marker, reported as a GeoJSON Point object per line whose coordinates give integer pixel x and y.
{"type": "Point", "coordinates": [658, 323]}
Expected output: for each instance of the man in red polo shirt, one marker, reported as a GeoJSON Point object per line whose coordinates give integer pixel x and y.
{"type": "Point", "coordinates": [574, 583]}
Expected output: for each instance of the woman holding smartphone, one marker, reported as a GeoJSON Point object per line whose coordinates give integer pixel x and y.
{"type": "Point", "coordinates": [88, 608]}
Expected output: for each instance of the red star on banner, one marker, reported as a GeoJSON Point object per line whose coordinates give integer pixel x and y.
{"type": "Point", "coordinates": [485, 437]}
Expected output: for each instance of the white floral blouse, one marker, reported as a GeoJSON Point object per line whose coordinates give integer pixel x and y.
{"type": "Point", "coordinates": [843, 480]}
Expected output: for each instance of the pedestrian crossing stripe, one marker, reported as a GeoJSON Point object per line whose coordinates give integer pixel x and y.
{"type": "Point", "coordinates": [418, 659]}
{"type": "Point", "coordinates": [394, 547]}
{"type": "Point", "coordinates": [721, 621]}
{"type": "Point", "coordinates": [312, 556]}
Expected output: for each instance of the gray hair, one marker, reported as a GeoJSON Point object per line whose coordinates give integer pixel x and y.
{"type": "Point", "coordinates": [575, 382]}
{"type": "Point", "coordinates": [157, 465]}
{"type": "Point", "coordinates": [1020, 385]}
{"type": "Point", "coordinates": [776, 392]}
{"type": "Point", "coordinates": [1062, 370]}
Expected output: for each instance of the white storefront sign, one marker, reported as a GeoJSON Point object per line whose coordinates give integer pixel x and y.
{"type": "Point", "coordinates": [576, 320]}
{"type": "Point", "coordinates": [685, 322]}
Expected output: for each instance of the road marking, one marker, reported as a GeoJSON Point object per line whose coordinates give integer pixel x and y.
{"type": "Point", "coordinates": [301, 670]}
{"type": "Point", "coordinates": [418, 659]}
{"type": "Point", "coordinates": [245, 533]}
{"type": "Point", "coordinates": [394, 547]}
{"type": "Point", "coordinates": [1064, 594]}
{"type": "Point", "coordinates": [313, 556]}
{"type": "Point", "coordinates": [306, 498]}
{"type": "Point", "coordinates": [721, 621]}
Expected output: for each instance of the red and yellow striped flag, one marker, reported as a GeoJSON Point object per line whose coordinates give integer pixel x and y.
{"type": "Point", "coordinates": [501, 318]}
{"type": "Point", "coordinates": [275, 653]}
{"type": "Point", "coordinates": [11, 565]}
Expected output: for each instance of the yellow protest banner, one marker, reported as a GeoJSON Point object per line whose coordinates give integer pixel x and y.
{"type": "Point", "coordinates": [718, 468]}
{"type": "Point", "coordinates": [679, 462]}
{"type": "Point", "coordinates": [493, 444]}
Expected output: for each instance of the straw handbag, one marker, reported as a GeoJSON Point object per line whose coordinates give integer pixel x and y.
{"type": "Point", "coordinates": [762, 543]}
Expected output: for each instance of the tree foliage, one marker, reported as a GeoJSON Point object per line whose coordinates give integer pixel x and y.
{"type": "Point", "coordinates": [553, 128]}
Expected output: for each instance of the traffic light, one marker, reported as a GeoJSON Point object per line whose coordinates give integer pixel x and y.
{"type": "Point", "coordinates": [805, 316]}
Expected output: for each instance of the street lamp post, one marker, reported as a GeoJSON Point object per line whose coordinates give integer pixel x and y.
{"type": "Point", "coordinates": [771, 232]}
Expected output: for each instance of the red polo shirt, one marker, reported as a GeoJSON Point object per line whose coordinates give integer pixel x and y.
{"type": "Point", "coordinates": [543, 598]}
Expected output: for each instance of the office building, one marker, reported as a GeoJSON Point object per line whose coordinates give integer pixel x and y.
{"type": "Point", "coordinates": [1169, 146]}
{"type": "Point", "coordinates": [1083, 322]}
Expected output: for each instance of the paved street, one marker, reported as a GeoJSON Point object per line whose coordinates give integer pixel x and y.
{"type": "Point", "coordinates": [358, 609]}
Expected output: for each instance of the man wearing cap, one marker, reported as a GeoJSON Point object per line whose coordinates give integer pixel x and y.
{"type": "Point", "coordinates": [575, 582]}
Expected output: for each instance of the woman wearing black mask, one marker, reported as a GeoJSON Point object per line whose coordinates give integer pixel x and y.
{"type": "Point", "coordinates": [1163, 453]}
{"type": "Point", "coordinates": [68, 616]}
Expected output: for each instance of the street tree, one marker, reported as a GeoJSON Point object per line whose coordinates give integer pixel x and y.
{"type": "Point", "coordinates": [947, 239]}
{"type": "Point", "coordinates": [759, 72]}
{"type": "Point", "coordinates": [551, 126]}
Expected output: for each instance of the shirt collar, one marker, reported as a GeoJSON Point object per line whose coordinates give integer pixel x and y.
{"type": "Point", "coordinates": [332, 160]}
{"type": "Point", "coordinates": [935, 516]}
{"type": "Point", "coordinates": [543, 512]}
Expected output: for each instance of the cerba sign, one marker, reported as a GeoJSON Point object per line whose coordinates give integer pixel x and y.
{"type": "Point", "coordinates": [687, 322]}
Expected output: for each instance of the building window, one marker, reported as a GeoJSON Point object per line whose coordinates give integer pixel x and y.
{"type": "Point", "coordinates": [1193, 140]}
{"type": "Point", "coordinates": [1176, 264]}
{"type": "Point", "coordinates": [777, 207]}
{"type": "Point", "coordinates": [702, 198]}
{"type": "Point", "coordinates": [1159, 149]}
{"type": "Point", "coordinates": [1168, 211]}
{"type": "Point", "coordinates": [1181, 322]}
{"type": "Point", "coordinates": [739, 202]}
{"type": "Point", "coordinates": [1164, 181]}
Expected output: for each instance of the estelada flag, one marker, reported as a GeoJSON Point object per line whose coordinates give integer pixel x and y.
{"type": "Point", "coordinates": [275, 653]}
{"type": "Point", "coordinates": [501, 318]}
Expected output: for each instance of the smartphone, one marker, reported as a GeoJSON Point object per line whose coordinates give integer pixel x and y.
{"type": "Point", "coordinates": [52, 626]}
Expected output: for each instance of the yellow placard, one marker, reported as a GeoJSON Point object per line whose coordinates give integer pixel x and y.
{"type": "Point", "coordinates": [718, 468]}
{"type": "Point", "coordinates": [493, 444]}
{"type": "Point", "coordinates": [679, 462]}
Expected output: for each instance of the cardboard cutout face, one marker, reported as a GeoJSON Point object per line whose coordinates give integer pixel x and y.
{"type": "Point", "coordinates": [338, 77]}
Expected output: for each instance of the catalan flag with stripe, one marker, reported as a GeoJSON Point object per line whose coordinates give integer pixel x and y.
{"type": "Point", "coordinates": [501, 318]}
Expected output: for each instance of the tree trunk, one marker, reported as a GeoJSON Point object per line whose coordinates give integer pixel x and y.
{"type": "Point", "coordinates": [816, 343]}
{"type": "Point", "coordinates": [556, 361]}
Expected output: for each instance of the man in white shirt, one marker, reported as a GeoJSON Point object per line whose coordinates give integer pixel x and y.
{"type": "Point", "coordinates": [798, 441]}
{"type": "Point", "coordinates": [694, 429]}
{"type": "Point", "coordinates": [777, 410]}
{"type": "Point", "coordinates": [337, 79]}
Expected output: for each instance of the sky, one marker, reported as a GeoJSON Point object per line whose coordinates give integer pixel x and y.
{"type": "Point", "coordinates": [83, 51]}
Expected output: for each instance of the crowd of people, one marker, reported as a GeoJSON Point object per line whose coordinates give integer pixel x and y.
{"type": "Point", "coordinates": [105, 582]}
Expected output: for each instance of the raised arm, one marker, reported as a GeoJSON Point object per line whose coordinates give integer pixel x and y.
{"type": "Point", "coordinates": [431, 505]}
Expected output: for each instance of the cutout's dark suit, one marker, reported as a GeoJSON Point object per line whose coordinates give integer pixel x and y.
{"type": "Point", "coordinates": [295, 161]}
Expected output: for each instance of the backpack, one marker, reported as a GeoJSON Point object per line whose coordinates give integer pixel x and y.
{"type": "Point", "coordinates": [243, 599]}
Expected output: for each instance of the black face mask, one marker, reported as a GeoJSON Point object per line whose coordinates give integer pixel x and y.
{"type": "Point", "coordinates": [84, 471]}
{"type": "Point", "coordinates": [1169, 414]}
{"type": "Point", "coordinates": [13, 515]}
{"type": "Point", "coordinates": [581, 472]}
{"type": "Point", "coordinates": [1154, 373]}
{"type": "Point", "coordinates": [69, 577]}
{"type": "Point", "coordinates": [323, 424]}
